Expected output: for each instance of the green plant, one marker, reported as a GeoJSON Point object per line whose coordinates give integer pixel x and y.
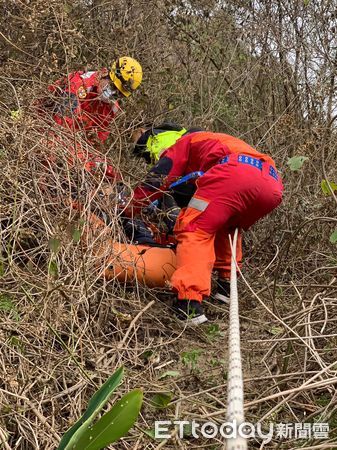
{"type": "Point", "coordinates": [213, 331]}
{"type": "Point", "coordinates": [328, 187]}
{"type": "Point", "coordinates": [161, 400]}
{"type": "Point", "coordinates": [190, 358]}
{"type": "Point", "coordinates": [7, 306]}
{"type": "Point", "coordinates": [296, 162]}
{"type": "Point", "coordinates": [84, 435]}
{"type": "Point", "coordinates": [54, 246]}
{"type": "Point", "coordinates": [333, 237]}
{"type": "Point", "coordinates": [169, 373]}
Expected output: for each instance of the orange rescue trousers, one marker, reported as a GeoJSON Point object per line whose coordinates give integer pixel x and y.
{"type": "Point", "coordinates": [229, 196]}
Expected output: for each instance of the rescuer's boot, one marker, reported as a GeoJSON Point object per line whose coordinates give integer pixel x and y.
{"type": "Point", "coordinates": [223, 291]}
{"type": "Point", "coordinates": [189, 311]}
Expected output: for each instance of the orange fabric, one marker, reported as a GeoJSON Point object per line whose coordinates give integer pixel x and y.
{"type": "Point", "coordinates": [192, 278]}
{"type": "Point", "coordinates": [198, 253]}
{"type": "Point", "coordinates": [234, 144]}
{"type": "Point", "coordinates": [195, 259]}
{"type": "Point", "coordinates": [238, 196]}
{"type": "Point", "coordinates": [223, 253]}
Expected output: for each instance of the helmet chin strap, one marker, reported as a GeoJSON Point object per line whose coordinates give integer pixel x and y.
{"type": "Point", "coordinates": [109, 95]}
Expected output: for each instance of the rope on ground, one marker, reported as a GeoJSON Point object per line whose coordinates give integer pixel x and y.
{"type": "Point", "coordinates": [235, 412]}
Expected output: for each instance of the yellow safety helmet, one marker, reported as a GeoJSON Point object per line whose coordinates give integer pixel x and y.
{"type": "Point", "coordinates": [126, 73]}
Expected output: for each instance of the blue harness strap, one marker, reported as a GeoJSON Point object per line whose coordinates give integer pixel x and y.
{"type": "Point", "coordinates": [190, 176]}
{"type": "Point", "coordinates": [186, 178]}
{"type": "Point", "coordinates": [242, 159]}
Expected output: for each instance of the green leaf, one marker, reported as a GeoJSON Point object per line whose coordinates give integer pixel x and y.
{"type": "Point", "coordinates": [77, 235]}
{"type": "Point", "coordinates": [161, 400]}
{"type": "Point", "coordinates": [147, 355]}
{"type": "Point", "coordinates": [113, 425]}
{"type": "Point", "coordinates": [2, 267]}
{"type": "Point", "coordinates": [296, 162]}
{"type": "Point", "coordinates": [54, 244]}
{"type": "Point", "coordinates": [333, 237]}
{"type": "Point", "coordinates": [76, 230]}
{"type": "Point", "coordinates": [191, 357]}
{"type": "Point", "coordinates": [325, 187]}
{"type": "Point", "coordinates": [16, 114]}
{"type": "Point", "coordinates": [7, 306]}
{"type": "Point", "coordinates": [96, 403]}
{"type": "Point", "coordinates": [169, 373]}
{"type": "Point", "coordinates": [53, 269]}
{"type": "Point", "coordinates": [150, 433]}
{"type": "Point", "coordinates": [276, 330]}
{"type": "Point", "coordinates": [16, 342]}
{"type": "Point", "coordinates": [213, 331]}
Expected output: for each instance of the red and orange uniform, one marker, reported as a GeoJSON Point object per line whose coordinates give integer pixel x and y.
{"type": "Point", "coordinates": [78, 105]}
{"type": "Point", "coordinates": [240, 185]}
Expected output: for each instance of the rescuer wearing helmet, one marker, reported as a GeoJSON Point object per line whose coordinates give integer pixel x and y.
{"type": "Point", "coordinates": [89, 100]}
{"type": "Point", "coordinates": [151, 142]}
{"type": "Point", "coordinates": [239, 186]}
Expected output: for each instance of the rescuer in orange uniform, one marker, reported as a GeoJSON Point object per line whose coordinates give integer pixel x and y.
{"type": "Point", "coordinates": [89, 100]}
{"type": "Point", "coordinates": [240, 185]}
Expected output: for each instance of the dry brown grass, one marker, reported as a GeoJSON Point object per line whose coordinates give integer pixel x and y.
{"type": "Point", "coordinates": [62, 335]}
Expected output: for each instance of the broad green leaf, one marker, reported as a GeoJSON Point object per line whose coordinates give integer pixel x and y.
{"type": "Point", "coordinates": [113, 425]}
{"type": "Point", "coordinates": [161, 400]}
{"type": "Point", "coordinates": [333, 237]}
{"type": "Point", "coordinates": [76, 230]}
{"type": "Point", "coordinates": [296, 162]}
{"type": "Point", "coordinates": [53, 268]}
{"type": "Point", "coordinates": [325, 187]}
{"type": "Point", "coordinates": [54, 244]}
{"type": "Point", "coordinates": [96, 403]}
{"type": "Point", "coordinates": [169, 373]}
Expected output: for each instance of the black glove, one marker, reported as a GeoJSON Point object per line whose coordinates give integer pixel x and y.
{"type": "Point", "coordinates": [137, 232]}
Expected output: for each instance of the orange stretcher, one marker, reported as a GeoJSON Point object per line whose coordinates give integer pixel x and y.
{"type": "Point", "coordinates": [129, 263]}
{"type": "Point", "coordinates": [151, 266]}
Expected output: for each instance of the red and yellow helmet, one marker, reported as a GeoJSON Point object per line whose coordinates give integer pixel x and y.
{"type": "Point", "coordinates": [126, 73]}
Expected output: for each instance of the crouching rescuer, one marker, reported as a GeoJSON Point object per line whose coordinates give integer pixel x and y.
{"type": "Point", "coordinates": [239, 186]}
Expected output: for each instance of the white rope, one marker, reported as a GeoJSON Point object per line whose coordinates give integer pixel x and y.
{"type": "Point", "coordinates": [235, 383]}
